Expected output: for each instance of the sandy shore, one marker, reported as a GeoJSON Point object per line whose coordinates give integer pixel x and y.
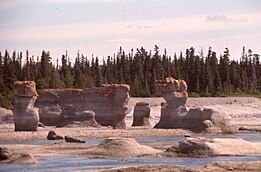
{"type": "Point", "coordinates": [7, 133]}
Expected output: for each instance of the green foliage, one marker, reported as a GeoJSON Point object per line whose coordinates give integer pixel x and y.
{"type": "Point", "coordinates": [205, 75]}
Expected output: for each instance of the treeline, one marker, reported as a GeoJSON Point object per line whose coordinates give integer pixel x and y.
{"type": "Point", "coordinates": [206, 75]}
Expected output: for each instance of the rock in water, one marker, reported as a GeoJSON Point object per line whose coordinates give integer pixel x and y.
{"type": "Point", "coordinates": [141, 114]}
{"type": "Point", "coordinates": [5, 154]}
{"type": "Point", "coordinates": [55, 135]}
{"type": "Point", "coordinates": [24, 158]}
{"type": "Point", "coordinates": [217, 147]}
{"type": "Point", "coordinates": [26, 116]}
{"type": "Point", "coordinates": [71, 139]}
{"type": "Point", "coordinates": [121, 147]}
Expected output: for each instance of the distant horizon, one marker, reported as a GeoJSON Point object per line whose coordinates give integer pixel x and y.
{"type": "Point", "coordinates": [100, 27]}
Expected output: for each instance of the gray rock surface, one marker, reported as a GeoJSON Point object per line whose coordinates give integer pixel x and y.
{"type": "Point", "coordinates": [26, 116]}
{"type": "Point", "coordinates": [6, 116]}
{"type": "Point", "coordinates": [70, 118]}
{"type": "Point", "coordinates": [141, 114]}
{"type": "Point", "coordinates": [109, 103]}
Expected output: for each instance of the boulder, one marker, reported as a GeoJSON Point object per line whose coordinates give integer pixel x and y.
{"type": "Point", "coordinates": [109, 103]}
{"type": "Point", "coordinates": [26, 116]}
{"type": "Point", "coordinates": [71, 139]}
{"type": "Point", "coordinates": [141, 114]}
{"type": "Point", "coordinates": [55, 135]}
{"type": "Point", "coordinates": [70, 118]}
{"type": "Point", "coordinates": [121, 147]}
{"type": "Point", "coordinates": [24, 158]}
{"type": "Point", "coordinates": [5, 154]}
{"type": "Point", "coordinates": [207, 120]}
{"type": "Point", "coordinates": [6, 116]}
{"type": "Point", "coordinates": [217, 147]}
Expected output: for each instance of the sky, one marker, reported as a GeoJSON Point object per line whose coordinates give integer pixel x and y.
{"type": "Point", "coordinates": [100, 27]}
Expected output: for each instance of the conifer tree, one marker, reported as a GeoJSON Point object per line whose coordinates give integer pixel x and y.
{"type": "Point", "coordinates": [98, 79]}
{"type": "Point", "coordinates": [55, 79]}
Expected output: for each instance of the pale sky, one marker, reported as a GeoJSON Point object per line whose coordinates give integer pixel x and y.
{"type": "Point", "coordinates": [100, 27]}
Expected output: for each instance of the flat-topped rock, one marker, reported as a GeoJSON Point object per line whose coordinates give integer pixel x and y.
{"type": "Point", "coordinates": [25, 88]}
{"type": "Point", "coordinates": [110, 103]}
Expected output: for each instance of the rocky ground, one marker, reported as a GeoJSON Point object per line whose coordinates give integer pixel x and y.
{"type": "Point", "coordinates": [245, 113]}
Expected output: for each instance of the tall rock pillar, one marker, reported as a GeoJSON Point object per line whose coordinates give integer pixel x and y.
{"type": "Point", "coordinates": [173, 111]}
{"type": "Point", "coordinates": [26, 116]}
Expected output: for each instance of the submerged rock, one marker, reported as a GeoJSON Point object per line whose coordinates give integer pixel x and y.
{"type": "Point", "coordinates": [121, 147]}
{"type": "Point", "coordinates": [55, 135]}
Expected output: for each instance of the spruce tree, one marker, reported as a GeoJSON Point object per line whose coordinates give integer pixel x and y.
{"type": "Point", "coordinates": [98, 79]}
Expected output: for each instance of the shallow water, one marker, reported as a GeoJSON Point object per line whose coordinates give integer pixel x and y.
{"type": "Point", "coordinates": [86, 163]}
{"type": "Point", "coordinates": [72, 163]}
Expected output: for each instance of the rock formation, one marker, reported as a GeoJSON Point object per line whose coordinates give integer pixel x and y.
{"type": "Point", "coordinates": [175, 94]}
{"type": "Point", "coordinates": [217, 147]}
{"type": "Point", "coordinates": [174, 113]}
{"type": "Point", "coordinates": [26, 116]}
{"type": "Point", "coordinates": [121, 147]}
{"type": "Point", "coordinates": [71, 118]}
{"type": "Point", "coordinates": [109, 103]}
{"type": "Point", "coordinates": [141, 114]}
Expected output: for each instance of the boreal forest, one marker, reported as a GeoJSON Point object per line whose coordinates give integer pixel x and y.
{"type": "Point", "coordinates": [206, 73]}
